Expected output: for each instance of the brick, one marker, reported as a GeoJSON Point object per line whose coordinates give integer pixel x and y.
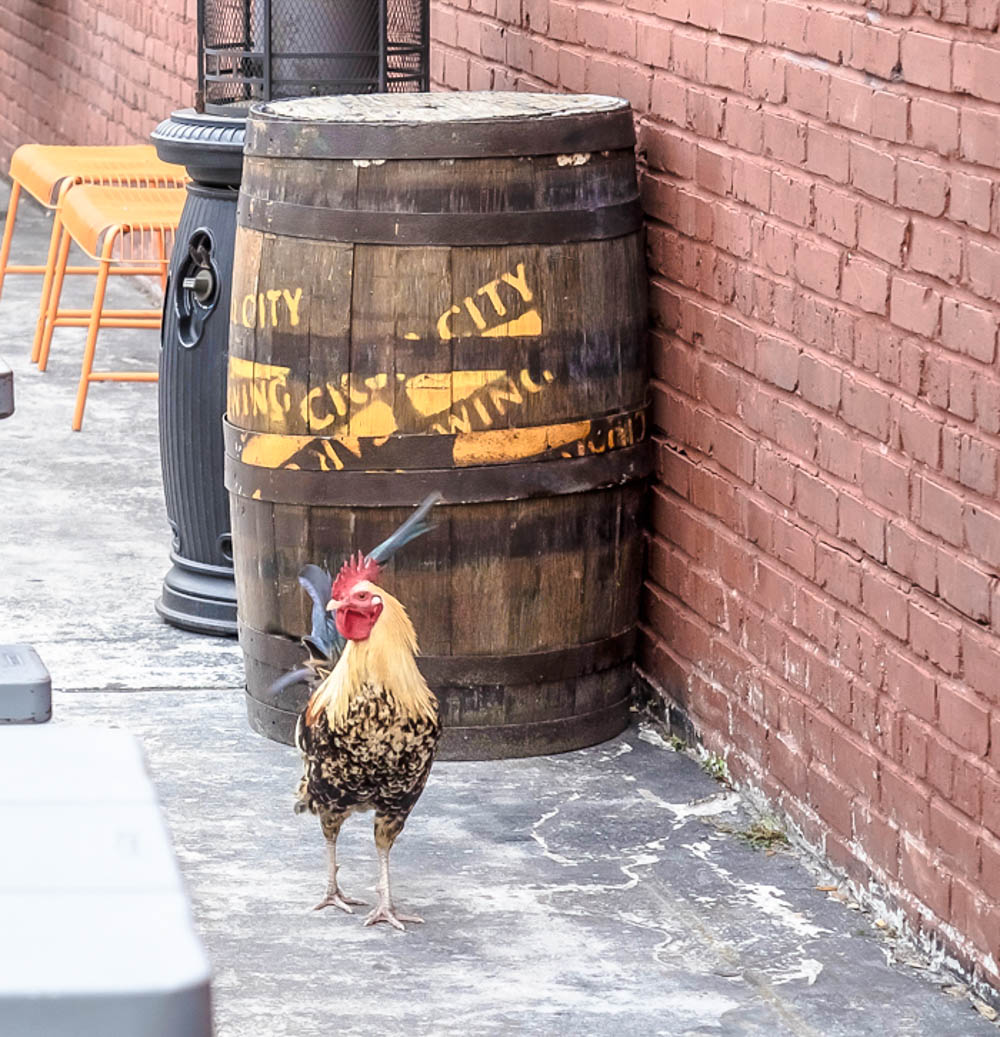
{"type": "Point", "coordinates": [865, 285]}
{"type": "Point", "coordinates": [882, 231]}
{"type": "Point", "coordinates": [977, 467]}
{"type": "Point", "coordinates": [807, 89]}
{"type": "Point", "coordinates": [839, 453]}
{"type": "Point", "coordinates": [940, 511]}
{"type": "Point", "coordinates": [874, 49]}
{"type": "Point", "coordinates": [890, 116]}
{"type": "Point", "coordinates": [982, 530]}
{"type": "Point", "coordinates": [971, 200]}
{"type": "Point", "coordinates": [980, 137]}
{"type": "Point", "coordinates": [819, 382]}
{"type": "Point", "coordinates": [829, 36]}
{"type": "Point", "coordinates": [830, 799]}
{"type": "Point", "coordinates": [777, 362]}
{"type": "Point", "coordinates": [926, 60]}
{"type": "Point", "coordinates": [828, 154]}
{"type": "Point", "coordinates": [969, 329]}
{"type": "Point", "coordinates": [866, 407]}
{"type": "Point", "coordinates": [785, 140]}
{"type": "Point", "coordinates": [884, 603]}
{"type": "Point", "coordinates": [914, 306]}
{"type": "Point", "coordinates": [912, 556]}
{"type": "Point", "coordinates": [934, 639]}
{"type": "Point", "coordinates": [785, 25]}
{"type": "Point", "coordinates": [934, 125]}
{"type": "Point", "coordinates": [905, 801]}
{"type": "Point", "coordinates": [744, 19]}
{"type": "Point", "coordinates": [836, 214]}
{"type": "Point", "coordinates": [935, 251]}
{"type": "Point", "coordinates": [921, 186]}
{"type": "Point", "coordinates": [816, 500]}
{"type": "Point", "coordinates": [851, 104]}
{"type": "Point", "coordinates": [838, 574]}
{"type": "Point", "coordinates": [955, 838]}
{"type": "Point", "coordinates": [791, 198]}
{"type": "Point", "coordinates": [818, 267]}
{"type": "Point", "coordinates": [861, 526]}
{"type": "Point", "coordinates": [726, 64]}
{"type": "Point", "coordinates": [912, 685]}
{"type": "Point", "coordinates": [885, 481]}
{"type": "Point", "coordinates": [964, 587]}
{"type": "Point", "coordinates": [873, 171]}
{"type": "Point", "coordinates": [765, 76]}
{"type": "Point", "coordinates": [984, 270]}
{"type": "Point", "coordinates": [963, 718]}
{"type": "Point", "coordinates": [975, 70]}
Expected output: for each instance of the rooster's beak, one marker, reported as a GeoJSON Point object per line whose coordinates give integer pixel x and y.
{"type": "Point", "coordinates": [333, 605]}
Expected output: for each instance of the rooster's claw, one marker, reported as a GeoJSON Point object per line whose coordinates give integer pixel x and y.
{"type": "Point", "coordinates": [385, 913]}
{"type": "Point", "coordinates": [339, 900]}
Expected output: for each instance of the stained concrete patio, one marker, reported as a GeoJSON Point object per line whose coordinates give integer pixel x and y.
{"type": "Point", "coordinates": [608, 890]}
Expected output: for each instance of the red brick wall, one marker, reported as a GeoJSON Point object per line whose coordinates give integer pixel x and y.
{"type": "Point", "coordinates": [92, 71]}
{"type": "Point", "coordinates": [822, 190]}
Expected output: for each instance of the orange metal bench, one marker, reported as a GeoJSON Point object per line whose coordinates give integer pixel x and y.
{"type": "Point", "coordinates": [126, 229]}
{"type": "Point", "coordinates": [47, 172]}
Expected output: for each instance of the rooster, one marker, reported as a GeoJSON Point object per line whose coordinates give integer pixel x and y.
{"type": "Point", "coordinates": [370, 729]}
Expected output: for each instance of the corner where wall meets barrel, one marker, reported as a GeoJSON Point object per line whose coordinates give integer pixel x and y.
{"type": "Point", "coordinates": [441, 293]}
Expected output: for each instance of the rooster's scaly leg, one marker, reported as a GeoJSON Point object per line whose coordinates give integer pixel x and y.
{"type": "Point", "coordinates": [334, 895]}
{"type": "Point", "coordinates": [386, 830]}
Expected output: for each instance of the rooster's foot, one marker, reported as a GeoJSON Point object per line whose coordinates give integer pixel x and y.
{"type": "Point", "coordinates": [385, 912]}
{"type": "Point", "coordinates": [338, 899]}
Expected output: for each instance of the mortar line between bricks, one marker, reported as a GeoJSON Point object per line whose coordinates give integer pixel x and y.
{"type": "Point", "coordinates": [689, 30]}
{"type": "Point", "coordinates": [919, 156]}
{"type": "Point", "coordinates": [772, 166]}
{"type": "Point", "coordinates": [859, 375]}
{"type": "Point", "coordinates": [908, 587]}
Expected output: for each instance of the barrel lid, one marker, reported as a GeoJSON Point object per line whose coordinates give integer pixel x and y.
{"type": "Point", "coordinates": [439, 125]}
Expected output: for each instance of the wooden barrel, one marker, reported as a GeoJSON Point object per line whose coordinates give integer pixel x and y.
{"type": "Point", "coordinates": [446, 292]}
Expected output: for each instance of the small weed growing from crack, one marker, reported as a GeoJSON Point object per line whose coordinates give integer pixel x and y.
{"type": "Point", "coordinates": [765, 834]}
{"type": "Point", "coordinates": [716, 767]}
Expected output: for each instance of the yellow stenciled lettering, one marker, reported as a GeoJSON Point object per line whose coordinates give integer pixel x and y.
{"type": "Point", "coordinates": [490, 291]}
{"type": "Point", "coordinates": [249, 312]}
{"type": "Point", "coordinates": [273, 295]}
{"type": "Point", "coordinates": [315, 421]}
{"type": "Point", "coordinates": [292, 302]}
{"type": "Point", "coordinates": [259, 391]}
{"type": "Point", "coordinates": [519, 283]}
{"type": "Point", "coordinates": [477, 317]}
{"type": "Point", "coordinates": [261, 311]}
{"type": "Point", "coordinates": [442, 325]}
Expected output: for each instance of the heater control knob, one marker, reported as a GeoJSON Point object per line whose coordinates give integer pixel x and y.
{"type": "Point", "coordinates": [201, 285]}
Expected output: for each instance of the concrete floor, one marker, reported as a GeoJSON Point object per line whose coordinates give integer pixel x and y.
{"type": "Point", "coordinates": [608, 890]}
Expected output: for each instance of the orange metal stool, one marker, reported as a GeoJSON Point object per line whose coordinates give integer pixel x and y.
{"type": "Point", "coordinates": [126, 229]}
{"type": "Point", "coordinates": [47, 172]}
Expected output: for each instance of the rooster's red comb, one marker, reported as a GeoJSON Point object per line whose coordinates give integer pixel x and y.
{"type": "Point", "coordinates": [353, 571]}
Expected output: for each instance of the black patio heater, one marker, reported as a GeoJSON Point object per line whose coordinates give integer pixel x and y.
{"type": "Point", "coordinates": [248, 51]}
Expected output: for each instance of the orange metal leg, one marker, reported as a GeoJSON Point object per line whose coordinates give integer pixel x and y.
{"type": "Point", "coordinates": [88, 352]}
{"type": "Point", "coordinates": [50, 264]}
{"type": "Point", "coordinates": [8, 230]}
{"type": "Point", "coordinates": [47, 317]}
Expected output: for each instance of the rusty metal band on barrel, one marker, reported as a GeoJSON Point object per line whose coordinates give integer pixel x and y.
{"type": "Point", "coordinates": [368, 227]}
{"type": "Point", "coordinates": [472, 485]}
{"type": "Point", "coordinates": [494, 138]}
{"type": "Point", "coordinates": [404, 450]}
{"type": "Point", "coordinates": [470, 670]}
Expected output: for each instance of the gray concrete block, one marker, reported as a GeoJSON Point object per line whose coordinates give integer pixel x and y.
{"type": "Point", "coordinates": [25, 686]}
{"type": "Point", "coordinates": [97, 935]}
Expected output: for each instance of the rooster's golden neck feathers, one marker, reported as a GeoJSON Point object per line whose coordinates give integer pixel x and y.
{"type": "Point", "coordinates": [385, 658]}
